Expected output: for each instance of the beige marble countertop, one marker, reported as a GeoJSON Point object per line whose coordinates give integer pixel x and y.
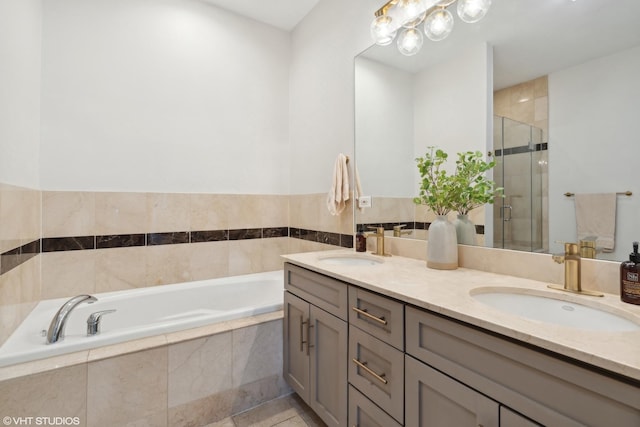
{"type": "Point", "coordinates": [449, 293]}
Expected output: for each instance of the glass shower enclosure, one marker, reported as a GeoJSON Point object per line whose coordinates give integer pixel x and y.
{"type": "Point", "coordinates": [520, 217]}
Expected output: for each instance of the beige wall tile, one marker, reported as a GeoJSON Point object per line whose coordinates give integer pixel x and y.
{"type": "Point", "coordinates": [10, 310]}
{"type": "Point", "coordinates": [210, 211]}
{"type": "Point", "coordinates": [57, 393]}
{"type": "Point", "coordinates": [199, 368]}
{"type": "Point", "coordinates": [66, 274]}
{"type": "Point", "coordinates": [119, 269]}
{"type": "Point", "coordinates": [274, 211]}
{"type": "Point", "coordinates": [244, 211]}
{"type": "Point", "coordinates": [167, 264]}
{"type": "Point", "coordinates": [168, 212]}
{"type": "Point", "coordinates": [541, 86]}
{"type": "Point", "coordinates": [19, 216]}
{"type": "Point", "coordinates": [68, 213]}
{"type": "Point", "coordinates": [121, 213]}
{"type": "Point", "coordinates": [209, 260]}
{"type": "Point", "coordinates": [129, 390]}
{"type": "Point", "coordinates": [245, 256]}
{"type": "Point", "coordinates": [257, 352]}
{"type": "Point", "coordinates": [272, 250]}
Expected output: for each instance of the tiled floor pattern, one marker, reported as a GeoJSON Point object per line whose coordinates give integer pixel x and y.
{"type": "Point", "coordinates": [287, 411]}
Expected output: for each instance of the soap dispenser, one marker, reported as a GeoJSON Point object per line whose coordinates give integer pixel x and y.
{"type": "Point", "coordinates": [361, 240]}
{"type": "Point", "coordinates": [630, 277]}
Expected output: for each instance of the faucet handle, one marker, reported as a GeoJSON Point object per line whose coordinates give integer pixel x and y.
{"type": "Point", "coordinates": [399, 227]}
{"type": "Point", "coordinates": [93, 321]}
{"type": "Point", "coordinates": [379, 229]}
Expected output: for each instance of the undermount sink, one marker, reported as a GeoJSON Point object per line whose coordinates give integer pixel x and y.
{"type": "Point", "coordinates": [546, 307]}
{"type": "Point", "coordinates": [350, 259]}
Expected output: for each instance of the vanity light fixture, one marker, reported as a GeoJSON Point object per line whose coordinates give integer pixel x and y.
{"type": "Point", "coordinates": [404, 16]}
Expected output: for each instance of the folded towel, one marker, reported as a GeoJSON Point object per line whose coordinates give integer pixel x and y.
{"type": "Point", "coordinates": [596, 216]}
{"type": "Point", "coordinates": [339, 193]}
{"type": "Point", "coordinates": [358, 186]}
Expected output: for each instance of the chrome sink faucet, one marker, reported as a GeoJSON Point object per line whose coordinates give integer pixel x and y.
{"type": "Point", "coordinates": [572, 270]}
{"type": "Point", "coordinates": [59, 321]}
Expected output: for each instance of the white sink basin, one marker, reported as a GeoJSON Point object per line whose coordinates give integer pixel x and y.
{"type": "Point", "coordinates": [548, 308]}
{"type": "Point", "coordinates": [350, 259]}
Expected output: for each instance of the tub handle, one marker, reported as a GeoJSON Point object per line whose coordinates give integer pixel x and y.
{"type": "Point", "coordinates": [93, 321]}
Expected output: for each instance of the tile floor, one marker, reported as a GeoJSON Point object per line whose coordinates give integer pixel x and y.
{"type": "Point", "coordinates": [287, 411]}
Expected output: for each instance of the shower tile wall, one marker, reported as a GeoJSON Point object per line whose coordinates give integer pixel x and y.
{"type": "Point", "coordinates": [528, 102]}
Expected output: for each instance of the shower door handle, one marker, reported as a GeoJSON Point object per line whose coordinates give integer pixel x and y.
{"type": "Point", "coordinates": [503, 213]}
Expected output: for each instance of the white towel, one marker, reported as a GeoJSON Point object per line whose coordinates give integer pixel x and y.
{"type": "Point", "coordinates": [596, 216]}
{"type": "Point", "coordinates": [358, 186]}
{"type": "Point", "coordinates": [339, 193]}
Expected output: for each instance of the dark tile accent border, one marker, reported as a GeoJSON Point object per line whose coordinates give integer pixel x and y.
{"type": "Point", "coordinates": [521, 149]}
{"type": "Point", "coordinates": [120, 241]}
{"type": "Point", "coordinates": [209, 236]}
{"type": "Point", "coordinates": [59, 244]}
{"type": "Point", "coordinates": [245, 234]}
{"type": "Point", "coordinates": [343, 240]}
{"type": "Point", "coordinates": [14, 257]}
{"type": "Point", "coordinates": [173, 238]}
{"type": "Point", "coordinates": [410, 225]}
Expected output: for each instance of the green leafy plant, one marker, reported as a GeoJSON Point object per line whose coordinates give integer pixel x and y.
{"type": "Point", "coordinates": [436, 186]}
{"type": "Point", "coordinates": [472, 187]}
{"type": "Point", "coordinates": [462, 191]}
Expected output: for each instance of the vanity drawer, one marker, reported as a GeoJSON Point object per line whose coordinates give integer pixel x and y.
{"type": "Point", "coordinates": [364, 413]}
{"type": "Point", "coordinates": [380, 316]}
{"type": "Point", "coordinates": [324, 292]}
{"type": "Point", "coordinates": [377, 370]}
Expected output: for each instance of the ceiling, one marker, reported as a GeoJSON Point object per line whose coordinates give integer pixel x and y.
{"type": "Point", "coordinates": [531, 38]}
{"type": "Point", "coordinates": [283, 14]}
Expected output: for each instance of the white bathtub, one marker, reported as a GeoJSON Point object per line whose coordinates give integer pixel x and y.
{"type": "Point", "coordinates": [146, 312]}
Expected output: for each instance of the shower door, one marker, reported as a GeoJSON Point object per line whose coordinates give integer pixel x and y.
{"type": "Point", "coordinates": [521, 160]}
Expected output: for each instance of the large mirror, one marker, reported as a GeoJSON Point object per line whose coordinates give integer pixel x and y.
{"type": "Point", "coordinates": [547, 88]}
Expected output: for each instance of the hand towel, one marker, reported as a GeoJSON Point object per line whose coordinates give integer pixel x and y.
{"type": "Point", "coordinates": [339, 193]}
{"type": "Point", "coordinates": [596, 216]}
{"type": "Point", "coordinates": [358, 190]}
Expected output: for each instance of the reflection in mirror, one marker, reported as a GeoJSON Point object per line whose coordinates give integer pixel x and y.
{"type": "Point", "coordinates": [534, 84]}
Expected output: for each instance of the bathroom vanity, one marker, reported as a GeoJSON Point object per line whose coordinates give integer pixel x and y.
{"type": "Point", "coordinates": [392, 343]}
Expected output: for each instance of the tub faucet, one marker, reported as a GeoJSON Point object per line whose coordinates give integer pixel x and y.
{"type": "Point", "coordinates": [572, 264]}
{"type": "Point", "coordinates": [59, 321]}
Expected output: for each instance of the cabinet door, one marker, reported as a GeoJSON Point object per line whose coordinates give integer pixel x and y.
{"type": "Point", "coordinates": [508, 418]}
{"type": "Point", "coordinates": [328, 392]}
{"type": "Point", "coordinates": [295, 344]}
{"type": "Point", "coordinates": [365, 413]}
{"type": "Point", "coordinates": [434, 400]}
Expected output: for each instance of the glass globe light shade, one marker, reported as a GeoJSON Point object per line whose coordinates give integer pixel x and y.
{"type": "Point", "coordinates": [382, 31]}
{"type": "Point", "coordinates": [410, 41]}
{"type": "Point", "coordinates": [471, 11]}
{"type": "Point", "coordinates": [412, 12]}
{"type": "Point", "coordinates": [438, 25]}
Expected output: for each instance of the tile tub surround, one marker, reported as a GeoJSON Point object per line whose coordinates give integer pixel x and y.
{"type": "Point", "coordinates": [447, 293]}
{"type": "Point", "coordinates": [193, 377]}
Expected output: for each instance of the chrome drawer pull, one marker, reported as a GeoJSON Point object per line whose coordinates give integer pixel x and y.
{"type": "Point", "coordinates": [364, 366]}
{"type": "Point", "coordinates": [369, 315]}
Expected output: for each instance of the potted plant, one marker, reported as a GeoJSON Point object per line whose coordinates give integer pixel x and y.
{"type": "Point", "coordinates": [471, 189]}
{"type": "Point", "coordinates": [437, 188]}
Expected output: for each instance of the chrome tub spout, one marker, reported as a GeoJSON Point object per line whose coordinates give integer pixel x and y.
{"type": "Point", "coordinates": [59, 321]}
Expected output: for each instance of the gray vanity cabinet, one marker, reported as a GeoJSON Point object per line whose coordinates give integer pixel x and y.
{"type": "Point", "coordinates": [434, 400]}
{"type": "Point", "coordinates": [315, 342]}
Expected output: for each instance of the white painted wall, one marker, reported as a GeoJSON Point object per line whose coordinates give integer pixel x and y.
{"type": "Point", "coordinates": [384, 129]}
{"type": "Point", "coordinates": [20, 53]}
{"type": "Point", "coordinates": [594, 132]}
{"type": "Point", "coordinates": [167, 95]}
{"type": "Point", "coordinates": [451, 105]}
{"type": "Point", "coordinates": [321, 118]}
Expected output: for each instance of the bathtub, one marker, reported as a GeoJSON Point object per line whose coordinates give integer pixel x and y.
{"type": "Point", "coordinates": [145, 312]}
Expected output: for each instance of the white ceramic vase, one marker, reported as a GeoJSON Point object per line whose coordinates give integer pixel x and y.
{"type": "Point", "coordinates": [442, 246]}
{"type": "Point", "coordinates": [465, 230]}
